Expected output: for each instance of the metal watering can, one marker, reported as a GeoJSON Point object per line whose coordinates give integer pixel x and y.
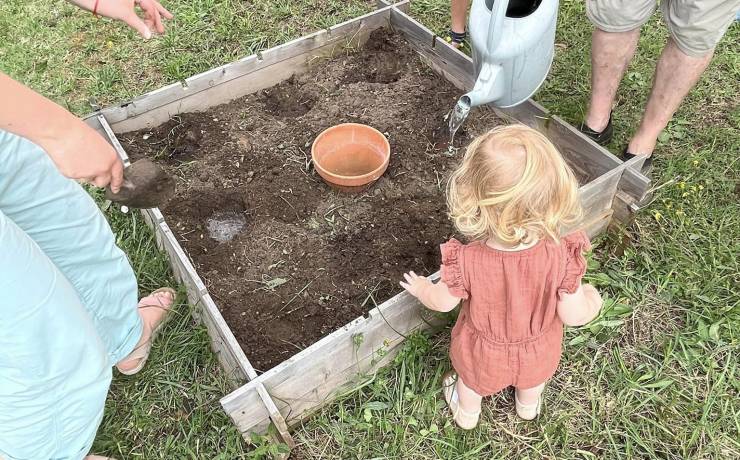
{"type": "Point", "coordinates": [513, 44]}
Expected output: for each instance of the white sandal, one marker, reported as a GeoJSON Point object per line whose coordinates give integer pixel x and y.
{"type": "Point", "coordinates": [142, 351]}
{"type": "Point", "coordinates": [528, 411]}
{"type": "Point", "coordinates": [464, 419]}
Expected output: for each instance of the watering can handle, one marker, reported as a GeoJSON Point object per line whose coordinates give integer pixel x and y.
{"type": "Point", "coordinates": [495, 25]}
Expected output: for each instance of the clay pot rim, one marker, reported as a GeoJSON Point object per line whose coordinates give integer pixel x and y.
{"type": "Point", "coordinates": [371, 176]}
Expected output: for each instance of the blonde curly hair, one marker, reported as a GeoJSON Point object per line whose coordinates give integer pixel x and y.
{"type": "Point", "coordinates": [513, 186]}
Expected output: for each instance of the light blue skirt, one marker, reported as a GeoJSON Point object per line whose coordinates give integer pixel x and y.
{"type": "Point", "coordinates": [68, 301]}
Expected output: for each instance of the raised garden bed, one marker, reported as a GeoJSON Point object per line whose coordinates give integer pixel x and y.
{"type": "Point", "coordinates": [287, 260]}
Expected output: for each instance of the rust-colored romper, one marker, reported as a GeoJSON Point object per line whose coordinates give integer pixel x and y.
{"type": "Point", "coordinates": [508, 331]}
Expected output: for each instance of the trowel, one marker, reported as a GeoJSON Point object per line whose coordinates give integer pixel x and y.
{"type": "Point", "coordinates": [145, 185]}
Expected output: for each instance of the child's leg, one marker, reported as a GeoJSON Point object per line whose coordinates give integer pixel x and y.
{"type": "Point", "coordinates": [463, 402]}
{"type": "Point", "coordinates": [529, 401]}
{"type": "Point", "coordinates": [528, 396]}
{"type": "Point", "coordinates": [469, 400]}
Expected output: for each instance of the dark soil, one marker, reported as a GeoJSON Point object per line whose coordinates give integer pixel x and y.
{"type": "Point", "coordinates": [303, 260]}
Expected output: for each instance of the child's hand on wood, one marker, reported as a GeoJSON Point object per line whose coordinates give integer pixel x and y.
{"type": "Point", "coordinates": [415, 284]}
{"type": "Point", "coordinates": [436, 297]}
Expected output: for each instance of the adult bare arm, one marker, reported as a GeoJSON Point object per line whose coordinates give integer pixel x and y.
{"type": "Point", "coordinates": [125, 10]}
{"type": "Point", "coordinates": [77, 150]}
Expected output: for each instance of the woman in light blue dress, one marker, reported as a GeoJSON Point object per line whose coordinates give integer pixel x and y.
{"type": "Point", "coordinates": [69, 296]}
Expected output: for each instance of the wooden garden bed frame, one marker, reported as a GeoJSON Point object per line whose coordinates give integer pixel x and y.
{"type": "Point", "coordinates": [291, 391]}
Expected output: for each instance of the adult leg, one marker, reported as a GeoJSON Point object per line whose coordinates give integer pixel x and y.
{"type": "Point", "coordinates": [54, 369]}
{"type": "Point", "coordinates": [458, 13]}
{"type": "Point", "coordinates": [611, 53]}
{"type": "Point", "coordinates": [613, 44]}
{"type": "Point", "coordinates": [675, 74]}
{"type": "Point", "coordinates": [696, 27]}
{"type": "Point", "coordinates": [70, 229]}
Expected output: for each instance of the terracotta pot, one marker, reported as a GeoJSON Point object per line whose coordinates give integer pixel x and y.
{"type": "Point", "coordinates": [351, 156]}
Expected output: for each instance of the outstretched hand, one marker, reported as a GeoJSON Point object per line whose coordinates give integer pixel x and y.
{"type": "Point", "coordinates": [415, 284]}
{"type": "Point", "coordinates": [125, 10]}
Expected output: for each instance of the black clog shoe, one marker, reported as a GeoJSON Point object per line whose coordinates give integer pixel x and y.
{"type": "Point", "coordinates": [602, 137]}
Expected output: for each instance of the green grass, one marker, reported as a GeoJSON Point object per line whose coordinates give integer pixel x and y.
{"type": "Point", "coordinates": [655, 376]}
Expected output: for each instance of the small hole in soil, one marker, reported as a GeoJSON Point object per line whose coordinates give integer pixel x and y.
{"type": "Point", "coordinates": [224, 226]}
{"type": "Point", "coordinates": [289, 99]}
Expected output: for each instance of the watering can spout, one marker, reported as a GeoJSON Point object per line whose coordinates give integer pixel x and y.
{"type": "Point", "coordinates": [489, 87]}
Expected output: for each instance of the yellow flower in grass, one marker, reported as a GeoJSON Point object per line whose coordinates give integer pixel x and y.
{"type": "Point", "coordinates": [682, 185]}
{"type": "Point", "coordinates": [696, 163]}
{"type": "Point", "coordinates": [701, 187]}
{"type": "Point", "coordinates": [657, 216]}
{"type": "Point", "coordinates": [684, 194]}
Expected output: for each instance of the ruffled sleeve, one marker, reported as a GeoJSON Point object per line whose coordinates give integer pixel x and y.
{"type": "Point", "coordinates": [452, 268]}
{"type": "Point", "coordinates": [575, 245]}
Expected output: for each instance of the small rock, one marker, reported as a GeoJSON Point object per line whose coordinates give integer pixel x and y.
{"type": "Point", "coordinates": [244, 143]}
{"type": "Point", "coordinates": [250, 173]}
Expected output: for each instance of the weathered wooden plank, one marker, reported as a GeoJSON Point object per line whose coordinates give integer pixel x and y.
{"type": "Point", "coordinates": [152, 217]}
{"type": "Point", "coordinates": [92, 121]}
{"type": "Point", "coordinates": [425, 43]}
{"type": "Point", "coordinates": [242, 77]}
{"type": "Point", "coordinates": [454, 58]}
{"type": "Point", "coordinates": [311, 378]}
{"type": "Point", "coordinates": [113, 140]}
{"type": "Point", "coordinates": [625, 205]}
{"type": "Point", "coordinates": [404, 6]}
{"type": "Point", "coordinates": [598, 194]}
{"type": "Point", "coordinates": [598, 225]}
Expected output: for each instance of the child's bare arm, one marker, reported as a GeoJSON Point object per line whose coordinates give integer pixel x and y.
{"type": "Point", "coordinates": [580, 307]}
{"type": "Point", "coordinates": [435, 297]}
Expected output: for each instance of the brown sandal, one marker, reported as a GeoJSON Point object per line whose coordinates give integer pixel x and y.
{"type": "Point", "coordinates": [142, 351]}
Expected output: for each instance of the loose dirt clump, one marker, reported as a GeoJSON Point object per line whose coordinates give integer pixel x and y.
{"type": "Point", "coordinates": [287, 259]}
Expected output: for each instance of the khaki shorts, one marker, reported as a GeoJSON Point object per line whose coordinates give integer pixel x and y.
{"type": "Point", "coordinates": [696, 25]}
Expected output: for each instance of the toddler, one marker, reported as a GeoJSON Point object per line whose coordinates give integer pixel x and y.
{"type": "Point", "coordinates": [519, 279]}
